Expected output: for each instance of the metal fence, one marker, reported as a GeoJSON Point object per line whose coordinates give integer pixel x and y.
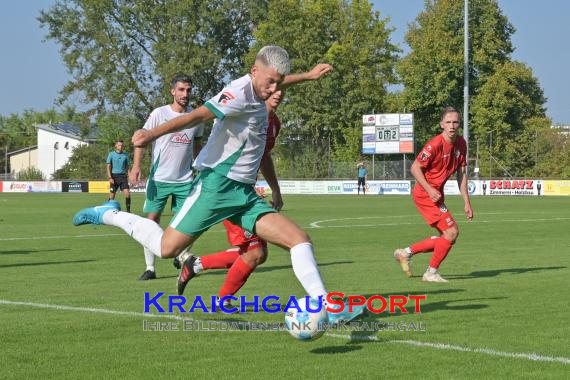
{"type": "Point", "coordinates": [380, 168]}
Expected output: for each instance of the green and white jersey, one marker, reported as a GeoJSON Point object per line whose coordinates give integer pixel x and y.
{"type": "Point", "coordinates": [237, 142]}
{"type": "Point", "coordinates": [172, 153]}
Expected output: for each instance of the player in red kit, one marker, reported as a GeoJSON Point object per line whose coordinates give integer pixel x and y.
{"type": "Point", "coordinates": [248, 250]}
{"type": "Point", "coordinates": [438, 160]}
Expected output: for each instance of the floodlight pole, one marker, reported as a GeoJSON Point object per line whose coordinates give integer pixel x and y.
{"type": "Point", "coordinates": [466, 82]}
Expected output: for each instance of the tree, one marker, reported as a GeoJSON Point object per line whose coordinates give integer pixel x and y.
{"type": "Point", "coordinates": [86, 162]}
{"type": "Point", "coordinates": [553, 154]}
{"type": "Point", "coordinates": [121, 53]}
{"type": "Point", "coordinates": [30, 174]}
{"type": "Point", "coordinates": [510, 106]}
{"type": "Point", "coordinates": [506, 99]}
{"type": "Point", "coordinates": [355, 40]}
{"type": "Point", "coordinates": [432, 73]}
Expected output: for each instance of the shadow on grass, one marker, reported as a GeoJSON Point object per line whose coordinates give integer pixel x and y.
{"type": "Point", "coordinates": [45, 263]}
{"type": "Point", "coordinates": [336, 349]}
{"type": "Point", "coordinates": [498, 272]}
{"type": "Point", "coordinates": [426, 306]}
{"type": "Point", "coordinates": [28, 251]}
{"type": "Point", "coordinates": [262, 268]}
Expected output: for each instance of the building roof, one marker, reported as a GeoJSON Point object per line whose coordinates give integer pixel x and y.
{"type": "Point", "coordinates": [22, 150]}
{"type": "Point", "coordinates": [70, 130]}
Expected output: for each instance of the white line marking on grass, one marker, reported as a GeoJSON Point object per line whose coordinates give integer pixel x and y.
{"type": "Point", "coordinates": [442, 346]}
{"type": "Point", "coordinates": [439, 346]}
{"type": "Point", "coordinates": [92, 310]}
{"type": "Point", "coordinates": [317, 223]}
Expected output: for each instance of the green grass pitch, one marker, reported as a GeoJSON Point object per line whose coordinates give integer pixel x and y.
{"type": "Point", "coordinates": [505, 305]}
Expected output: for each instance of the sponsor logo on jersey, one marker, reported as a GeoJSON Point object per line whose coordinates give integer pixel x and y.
{"type": "Point", "coordinates": [181, 138]}
{"type": "Point", "coordinates": [226, 97]}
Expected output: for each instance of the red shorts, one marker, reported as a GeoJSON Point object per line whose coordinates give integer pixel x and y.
{"type": "Point", "coordinates": [243, 239]}
{"type": "Point", "coordinates": [436, 215]}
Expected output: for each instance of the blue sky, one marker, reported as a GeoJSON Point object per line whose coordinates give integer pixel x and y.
{"type": "Point", "coordinates": [32, 72]}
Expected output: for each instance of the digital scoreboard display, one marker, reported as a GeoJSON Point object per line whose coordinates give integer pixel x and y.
{"type": "Point", "coordinates": [388, 133]}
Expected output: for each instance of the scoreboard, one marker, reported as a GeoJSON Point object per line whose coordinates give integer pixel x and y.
{"type": "Point", "coordinates": [388, 133]}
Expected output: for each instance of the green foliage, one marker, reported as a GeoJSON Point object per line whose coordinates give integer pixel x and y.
{"type": "Point", "coordinates": [115, 126]}
{"type": "Point", "coordinates": [122, 54]}
{"type": "Point", "coordinates": [553, 154]}
{"type": "Point", "coordinates": [433, 72]}
{"type": "Point", "coordinates": [30, 174]}
{"type": "Point", "coordinates": [506, 100]}
{"type": "Point", "coordinates": [298, 155]}
{"type": "Point", "coordinates": [86, 162]}
{"type": "Point", "coordinates": [510, 106]}
{"type": "Point", "coordinates": [350, 148]}
{"type": "Point", "coordinates": [350, 36]}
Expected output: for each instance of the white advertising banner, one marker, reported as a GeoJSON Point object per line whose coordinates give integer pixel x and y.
{"type": "Point", "coordinates": [451, 187]}
{"type": "Point", "coordinates": [31, 187]}
{"type": "Point", "coordinates": [379, 187]}
{"type": "Point", "coordinates": [512, 187]}
{"type": "Point", "coordinates": [339, 187]}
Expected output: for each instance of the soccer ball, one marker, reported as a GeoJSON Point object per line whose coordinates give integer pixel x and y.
{"type": "Point", "coordinates": [304, 325]}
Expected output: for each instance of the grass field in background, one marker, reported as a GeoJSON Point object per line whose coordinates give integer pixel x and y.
{"type": "Point", "coordinates": [71, 305]}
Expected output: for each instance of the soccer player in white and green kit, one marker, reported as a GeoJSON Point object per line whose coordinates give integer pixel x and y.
{"type": "Point", "coordinates": [224, 188]}
{"type": "Point", "coordinates": [172, 155]}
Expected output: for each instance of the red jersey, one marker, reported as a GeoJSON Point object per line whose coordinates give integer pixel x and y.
{"type": "Point", "coordinates": [272, 132]}
{"type": "Point", "coordinates": [440, 159]}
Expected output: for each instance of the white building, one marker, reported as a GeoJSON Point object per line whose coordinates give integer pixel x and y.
{"type": "Point", "coordinates": [55, 145]}
{"type": "Point", "coordinates": [23, 159]}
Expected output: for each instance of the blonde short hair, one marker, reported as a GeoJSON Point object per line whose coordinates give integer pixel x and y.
{"type": "Point", "coordinates": [275, 57]}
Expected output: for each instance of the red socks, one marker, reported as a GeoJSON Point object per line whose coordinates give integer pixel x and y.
{"type": "Point", "coordinates": [220, 260]}
{"type": "Point", "coordinates": [440, 251]}
{"type": "Point", "coordinates": [236, 277]}
{"type": "Point", "coordinates": [426, 245]}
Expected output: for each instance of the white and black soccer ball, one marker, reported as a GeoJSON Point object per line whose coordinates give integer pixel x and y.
{"type": "Point", "coordinates": [304, 325]}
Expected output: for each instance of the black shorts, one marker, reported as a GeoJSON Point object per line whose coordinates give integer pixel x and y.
{"type": "Point", "coordinates": [361, 181]}
{"type": "Point", "coordinates": [120, 182]}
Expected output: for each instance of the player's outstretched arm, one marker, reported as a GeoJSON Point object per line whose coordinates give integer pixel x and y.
{"type": "Point", "coordinates": [202, 114]}
{"type": "Point", "coordinates": [462, 182]}
{"type": "Point", "coordinates": [317, 72]}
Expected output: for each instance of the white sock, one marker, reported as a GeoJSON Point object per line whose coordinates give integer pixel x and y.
{"type": "Point", "coordinates": [432, 270]}
{"type": "Point", "coordinates": [149, 259]}
{"type": "Point", "coordinates": [143, 230]}
{"type": "Point", "coordinates": [408, 250]}
{"type": "Point", "coordinates": [305, 268]}
{"type": "Point", "coordinates": [198, 266]}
